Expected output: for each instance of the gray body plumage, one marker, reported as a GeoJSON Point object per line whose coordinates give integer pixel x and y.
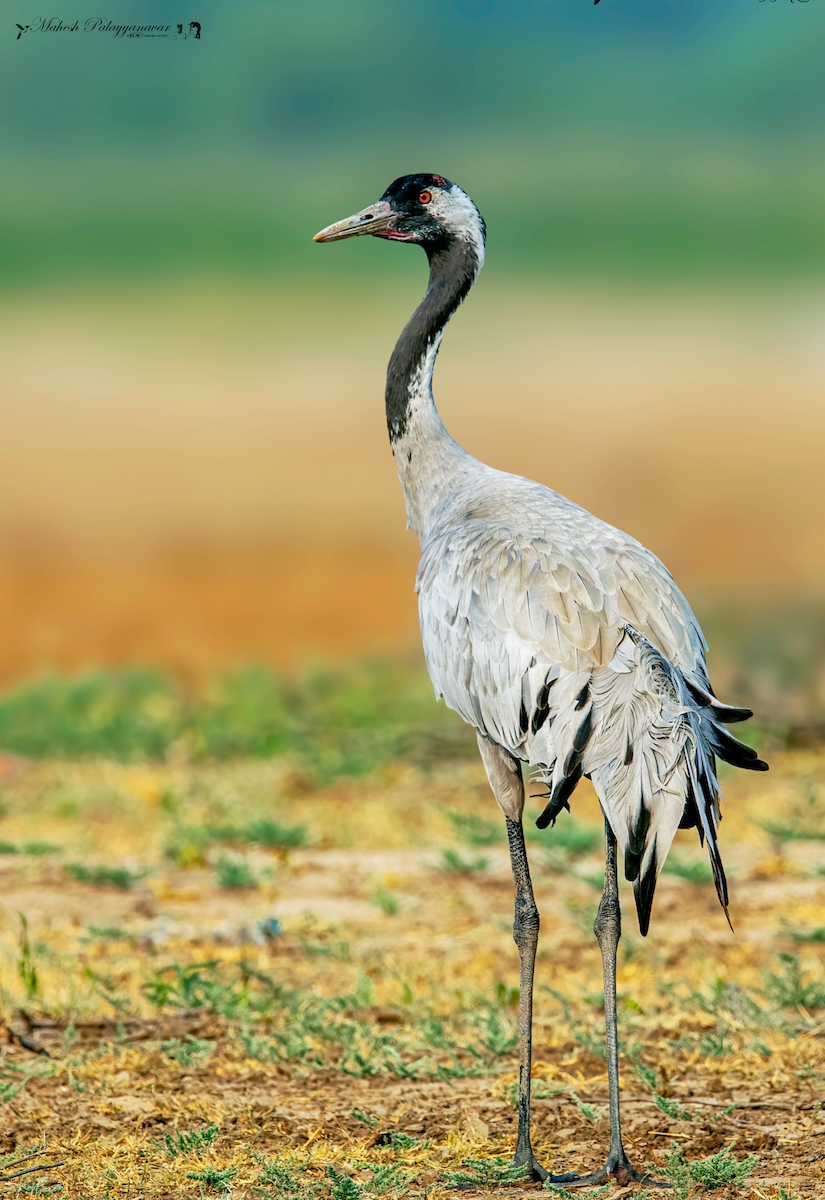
{"type": "Point", "coordinates": [563, 641]}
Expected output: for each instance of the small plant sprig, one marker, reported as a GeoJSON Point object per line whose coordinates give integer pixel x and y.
{"type": "Point", "coordinates": [694, 872]}
{"type": "Point", "coordinates": [482, 1172]}
{"type": "Point", "coordinates": [187, 844]}
{"type": "Point", "coordinates": [805, 818]}
{"type": "Point", "coordinates": [720, 1170]}
{"type": "Point", "coordinates": [283, 1179]}
{"type": "Point", "coordinates": [476, 831]}
{"type": "Point", "coordinates": [386, 900]}
{"type": "Point", "coordinates": [118, 877]}
{"type": "Point", "coordinates": [25, 964]}
{"type": "Point", "coordinates": [34, 848]}
{"type": "Point", "coordinates": [384, 1179]}
{"type": "Point", "coordinates": [405, 1141]}
{"type": "Point", "coordinates": [368, 1119]}
{"type": "Point", "coordinates": [787, 988]}
{"type": "Point", "coordinates": [593, 1112]}
{"type": "Point", "coordinates": [807, 935]}
{"type": "Point", "coordinates": [191, 1053]}
{"type": "Point", "coordinates": [213, 1178]}
{"type": "Point", "coordinates": [568, 834]}
{"type": "Point", "coordinates": [234, 874]}
{"type": "Point", "coordinates": [453, 864]}
{"type": "Point", "coordinates": [182, 1142]}
{"type": "Point", "coordinates": [670, 1108]}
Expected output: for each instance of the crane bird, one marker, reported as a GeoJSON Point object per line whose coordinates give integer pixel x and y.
{"type": "Point", "coordinates": [561, 640]}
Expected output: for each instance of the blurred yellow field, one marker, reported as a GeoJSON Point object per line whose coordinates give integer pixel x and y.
{"type": "Point", "coordinates": [224, 414]}
{"type": "Point", "coordinates": [215, 485]}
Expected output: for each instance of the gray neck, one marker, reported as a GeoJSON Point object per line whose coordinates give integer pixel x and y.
{"type": "Point", "coordinates": [426, 456]}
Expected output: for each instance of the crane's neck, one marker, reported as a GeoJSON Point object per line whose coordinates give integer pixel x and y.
{"type": "Point", "coordinates": [426, 456]}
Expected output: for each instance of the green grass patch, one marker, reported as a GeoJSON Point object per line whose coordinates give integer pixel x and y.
{"type": "Point", "coordinates": [214, 1179]}
{"type": "Point", "coordinates": [451, 863]}
{"type": "Point", "coordinates": [386, 1178]}
{"type": "Point", "coordinates": [478, 1172]}
{"type": "Point", "coordinates": [809, 935]}
{"type": "Point", "coordinates": [284, 1180]}
{"type": "Point", "coordinates": [671, 1108]}
{"type": "Point", "coordinates": [192, 1052]}
{"type": "Point", "coordinates": [305, 1031]}
{"type": "Point", "coordinates": [344, 722]}
{"type": "Point", "coordinates": [803, 813]}
{"type": "Point", "coordinates": [268, 833]}
{"type": "Point", "coordinates": [386, 900]}
{"type": "Point", "coordinates": [368, 1119]}
{"type": "Point", "coordinates": [594, 879]}
{"type": "Point", "coordinates": [235, 873]}
{"type": "Point", "coordinates": [791, 833]}
{"type": "Point", "coordinates": [476, 831]}
{"type": "Point", "coordinates": [117, 877]}
{"type": "Point", "coordinates": [790, 989]}
{"type": "Point", "coordinates": [34, 848]}
{"type": "Point", "coordinates": [721, 1170]}
{"type": "Point", "coordinates": [107, 933]}
{"type": "Point", "coordinates": [404, 1141]}
{"type": "Point", "coordinates": [698, 871]}
{"type": "Point", "coordinates": [187, 845]}
{"type": "Point", "coordinates": [180, 1142]}
{"type": "Point", "coordinates": [572, 836]}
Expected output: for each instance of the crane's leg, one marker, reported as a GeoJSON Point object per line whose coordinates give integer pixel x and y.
{"type": "Point", "coordinates": [608, 929]}
{"type": "Point", "coordinates": [504, 774]}
{"type": "Point", "coordinates": [526, 937]}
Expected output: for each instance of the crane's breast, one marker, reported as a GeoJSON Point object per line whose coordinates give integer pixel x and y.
{"type": "Point", "coordinates": [496, 606]}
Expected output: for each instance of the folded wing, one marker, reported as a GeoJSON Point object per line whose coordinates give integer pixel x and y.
{"type": "Point", "coordinates": [581, 656]}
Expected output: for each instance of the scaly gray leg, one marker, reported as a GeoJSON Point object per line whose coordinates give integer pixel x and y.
{"type": "Point", "coordinates": [526, 936]}
{"type": "Point", "coordinates": [506, 780]}
{"type": "Point", "coordinates": [608, 929]}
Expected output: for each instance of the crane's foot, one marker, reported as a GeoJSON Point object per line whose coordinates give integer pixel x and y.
{"type": "Point", "coordinates": [533, 1170]}
{"type": "Point", "coordinates": [618, 1168]}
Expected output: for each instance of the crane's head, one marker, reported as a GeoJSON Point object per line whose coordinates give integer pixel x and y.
{"type": "Point", "coordinates": [426, 209]}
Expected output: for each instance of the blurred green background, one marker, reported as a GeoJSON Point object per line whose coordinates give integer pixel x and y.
{"type": "Point", "coordinates": [642, 137]}
{"type": "Point", "coordinates": [197, 472]}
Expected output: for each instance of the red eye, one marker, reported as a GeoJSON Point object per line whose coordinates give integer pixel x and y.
{"type": "Point", "coordinates": [425, 198]}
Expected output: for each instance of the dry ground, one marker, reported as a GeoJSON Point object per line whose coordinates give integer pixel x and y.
{"type": "Point", "coordinates": [196, 1047]}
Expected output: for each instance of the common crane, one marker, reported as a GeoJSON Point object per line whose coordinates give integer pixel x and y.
{"type": "Point", "coordinates": [562, 641]}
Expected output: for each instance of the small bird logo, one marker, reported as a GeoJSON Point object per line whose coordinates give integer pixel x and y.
{"type": "Point", "coordinates": [22, 29]}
